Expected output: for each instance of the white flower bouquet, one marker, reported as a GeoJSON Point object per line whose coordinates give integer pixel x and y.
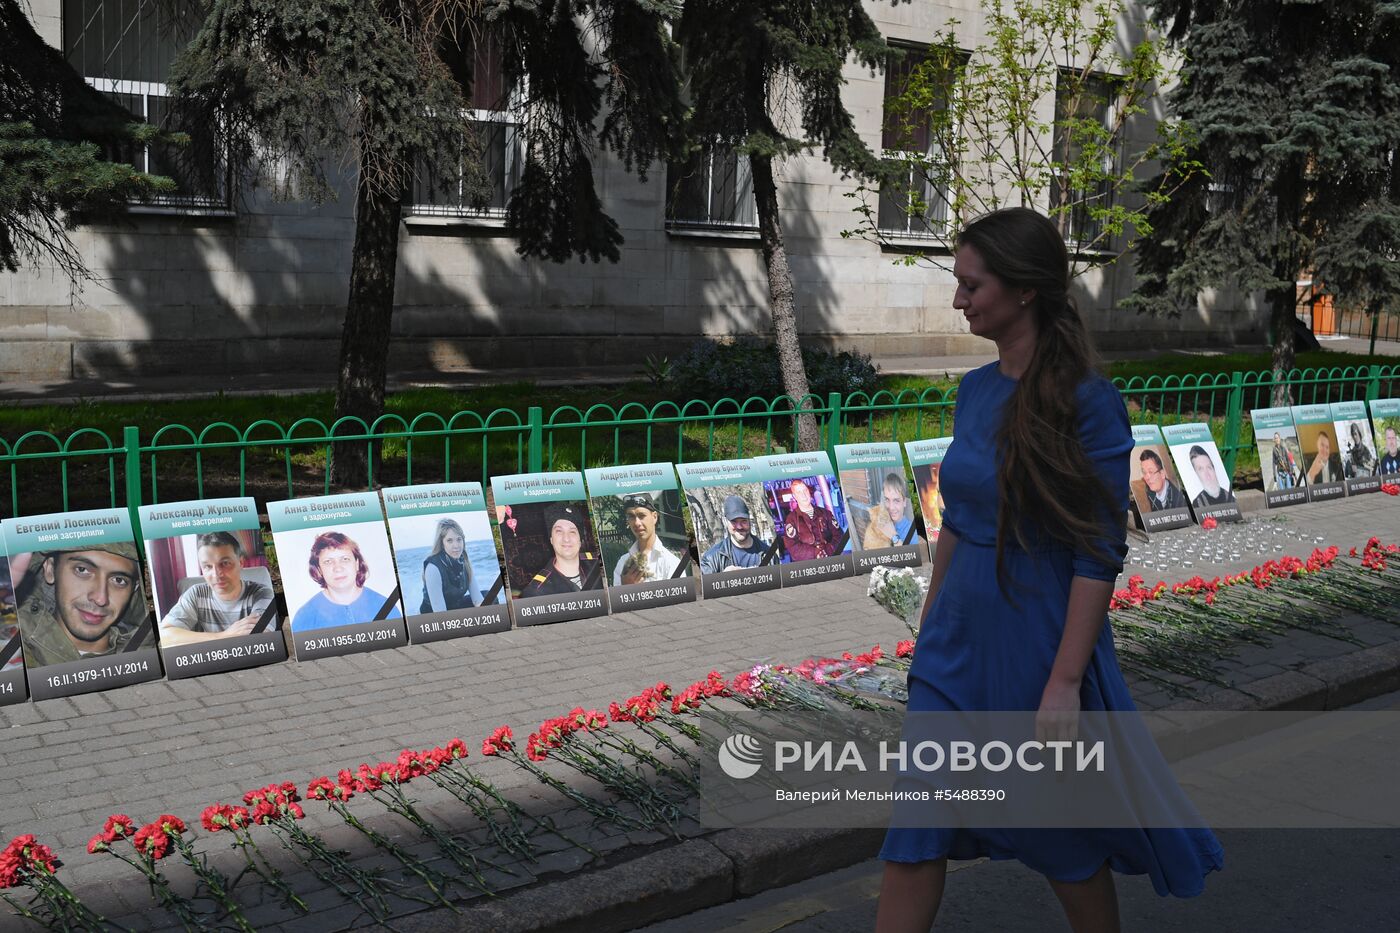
{"type": "Point", "coordinates": [901, 591]}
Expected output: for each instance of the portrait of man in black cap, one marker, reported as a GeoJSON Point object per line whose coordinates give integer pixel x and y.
{"type": "Point", "coordinates": [571, 568]}
{"type": "Point", "coordinates": [82, 602]}
{"type": "Point", "coordinates": [647, 559]}
{"type": "Point", "coordinates": [739, 548]}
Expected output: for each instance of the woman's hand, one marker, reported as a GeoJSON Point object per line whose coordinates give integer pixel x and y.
{"type": "Point", "coordinates": [1057, 720]}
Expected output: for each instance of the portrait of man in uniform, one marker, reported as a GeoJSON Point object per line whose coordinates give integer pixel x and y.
{"type": "Point", "coordinates": [810, 531]}
{"type": "Point", "coordinates": [80, 603]}
{"type": "Point", "coordinates": [570, 569]}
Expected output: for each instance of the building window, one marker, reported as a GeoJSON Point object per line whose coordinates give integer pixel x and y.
{"type": "Point", "coordinates": [712, 189]}
{"type": "Point", "coordinates": [1085, 157]}
{"type": "Point", "coordinates": [493, 105]}
{"type": "Point", "coordinates": [916, 204]}
{"type": "Point", "coordinates": [124, 48]}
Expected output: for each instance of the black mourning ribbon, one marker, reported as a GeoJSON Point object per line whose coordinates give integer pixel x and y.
{"type": "Point", "coordinates": [268, 614]}
{"type": "Point", "coordinates": [142, 632]}
{"type": "Point", "coordinates": [909, 535]}
{"type": "Point", "coordinates": [9, 650]}
{"type": "Point", "coordinates": [388, 606]}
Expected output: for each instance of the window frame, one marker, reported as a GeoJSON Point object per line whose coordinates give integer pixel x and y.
{"type": "Point", "coordinates": [182, 204]}
{"type": "Point", "coordinates": [709, 226]}
{"type": "Point", "coordinates": [939, 230]}
{"type": "Point", "coordinates": [513, 160]}
{"type": "Point", "coordinates": [1073, 232]}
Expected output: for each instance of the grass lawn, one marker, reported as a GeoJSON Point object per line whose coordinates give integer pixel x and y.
{"type": "Point", "coordinates": [283, 470]}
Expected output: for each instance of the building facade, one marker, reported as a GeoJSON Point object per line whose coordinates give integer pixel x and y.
{"type": "Point", "coordinates": [224, 279]}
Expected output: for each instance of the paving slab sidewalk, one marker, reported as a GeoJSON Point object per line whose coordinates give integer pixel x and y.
{"type": "Point", "coordinates": [179, 746]}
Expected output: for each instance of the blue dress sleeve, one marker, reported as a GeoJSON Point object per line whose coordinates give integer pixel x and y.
{"type": "Point", "coordinates": [1108, 441]}
{"type": "Point", "coordinates": [950, 506]}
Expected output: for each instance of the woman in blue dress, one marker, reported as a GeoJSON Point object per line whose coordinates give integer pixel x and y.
{"type": "Point", "coordinates": [1036, 487]}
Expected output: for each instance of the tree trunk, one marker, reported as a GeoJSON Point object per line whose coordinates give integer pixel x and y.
{"type": "Point", "coordinates": [780, 298]}
{"type": "Point", "coordinates": [1283, 309]}
{"type": "Point", "coordinates": [364, 343]}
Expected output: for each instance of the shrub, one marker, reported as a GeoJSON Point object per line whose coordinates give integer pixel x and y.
{"type": "Point", "coordinates": [712, 370]}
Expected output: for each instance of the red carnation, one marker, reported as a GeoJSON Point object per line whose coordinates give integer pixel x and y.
{"type": "Point", "coordinates": [118, 826]}
{"type": "Point", "coordinates": [98, 843]}
{"type": "Point", "coordinates": [904, 649]}
{"type": "Point", "coordinates": [152, 841]}
{"type": "Point", "coordinates": [321, 788]}
{"type": "Point", "coordinates": [501, 740]}
{"type": "Point", "coordinates": [456, 748]}
{"type": "Point", "coordinates": [1209, 523]}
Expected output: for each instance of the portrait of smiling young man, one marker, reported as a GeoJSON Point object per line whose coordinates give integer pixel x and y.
{"type": "Point", "coordinates": [81, 603]}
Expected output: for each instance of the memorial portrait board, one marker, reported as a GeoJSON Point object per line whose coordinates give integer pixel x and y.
{"type": "Point", "coordinates": [1360, 462]}
{"type": "Point", "coordinates": [926, 459]}
{"type": "Point", "coordinates": [734, 531]}
{"type": "Point", "coordinates": [1202, 471]}
{"type": "Point", "coordinates": [1280, 456]}
{"type": "Point", "coordinates": [804, 497]}
{"type": "Point", "coordinates": [1385, 423]}
{"type": "Point", "coordinates": [639, 514]}
{"type": "Point", "coordinates": [445, 553]}
{"type": "Point", "coordinates": [1158, 497]}
{"type": "Point", "coordinates": [553, 565]}
{"type": "Point", "coordinates": [83, 616]}
{"type": "Point", "coordinates": [212, 585]}
{"type": "Point", "coordinates": [1322, 455]}
{"type": "Point", "coordinates": [338, 574]}
{"type": "Point", "coordinates": [881, 506]}
{"type": "Point", "coordinates": [13, 688]}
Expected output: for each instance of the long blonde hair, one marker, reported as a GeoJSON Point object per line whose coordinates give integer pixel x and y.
{"type": "Point", "coordinates": [444, 527]}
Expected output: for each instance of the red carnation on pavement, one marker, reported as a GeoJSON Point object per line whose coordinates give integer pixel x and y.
{"type": "Point", "coordinates": [221, 816]}
{"type": "Point", "coordinates": [118, 826]}
{"type": "Point", "coordinates": [456, 748]}
{"type": "Point", "coordinates": [98, 843]}
{"type": "Point", "coordinates": [25, 855]}
{"type": "Point", "coordinates": [1209, 523]}
{"type": "Point", "coordinates": [152, 841]}
{"type": "Point", "coordinates": [502, 740]}
{"type": "Point", "coordinates": [904, 649]}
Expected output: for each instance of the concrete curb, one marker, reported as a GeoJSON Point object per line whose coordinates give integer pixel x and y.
{"type": "Point", "coordinates": [711, 870]}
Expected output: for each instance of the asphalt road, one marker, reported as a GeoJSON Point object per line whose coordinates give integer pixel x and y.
{"type": "Point", "coordinates": [1316, 880]}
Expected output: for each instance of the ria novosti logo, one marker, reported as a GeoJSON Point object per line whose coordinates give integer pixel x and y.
{"type": "Point", "coordinates": [740, 756]}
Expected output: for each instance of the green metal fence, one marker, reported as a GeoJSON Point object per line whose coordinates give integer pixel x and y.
{"type": "Point", "coordinates": [90, 469]}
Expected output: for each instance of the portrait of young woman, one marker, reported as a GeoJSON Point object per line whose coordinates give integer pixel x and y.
{"type": "Point", "coordinates": [1035, 488]}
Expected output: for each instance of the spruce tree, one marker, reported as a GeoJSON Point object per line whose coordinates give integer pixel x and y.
{"type": "Point", "coordinates": [1294, 110]}
{"type": "Point", "coordinates": [386, 81]}
{"type": "Point", "coordinates": [765, 80]}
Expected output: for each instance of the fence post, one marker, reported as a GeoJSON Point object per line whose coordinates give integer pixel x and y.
{"type": "Point", "coordinates": [131, 443]}
{"type": "Point", "coordinates": [833, 425]}
{"type": "Point", "coordinates": [536, 442]}
{"type": "Point", "coordinates": [1234, 417]}
{"type": "Point", "coordinates": [1375, 326]}
{"type": "Point", "coordinates": [1373, 381]}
